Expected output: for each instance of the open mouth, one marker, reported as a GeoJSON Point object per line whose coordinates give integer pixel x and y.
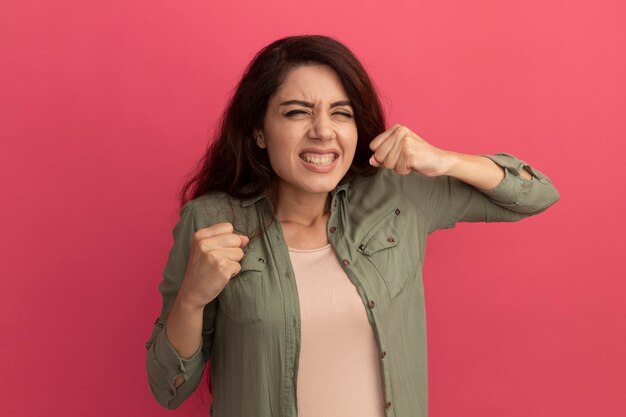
{"type": "Point", "coordinates": [319, 158]}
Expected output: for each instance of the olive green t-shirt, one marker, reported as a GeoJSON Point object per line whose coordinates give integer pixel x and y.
{"type": "Point", "coordinates": [377, 228]}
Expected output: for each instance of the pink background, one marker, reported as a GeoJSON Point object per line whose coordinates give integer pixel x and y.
{"type": "Point", "coordinates": [105, 106]}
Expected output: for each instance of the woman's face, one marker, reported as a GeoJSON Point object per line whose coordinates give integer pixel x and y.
{"type": "Point", "coordinates": [309, 131]}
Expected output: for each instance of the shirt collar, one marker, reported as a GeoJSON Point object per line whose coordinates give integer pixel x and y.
{"type": "Point", "coordinates": [342, 188]}
{"type": "Point", "coordinates": [251, 200]}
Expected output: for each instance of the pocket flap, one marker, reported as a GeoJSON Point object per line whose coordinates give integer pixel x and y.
{"type": "Point", "coordinates": [378, 241]}
{"type": "Point", "coordinates": [252, 262]}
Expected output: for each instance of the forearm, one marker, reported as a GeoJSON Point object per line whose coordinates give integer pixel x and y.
{"type": "Point", "coordinates": [477, 170]}
{"type": "Point", "coordinates": [184, 329]}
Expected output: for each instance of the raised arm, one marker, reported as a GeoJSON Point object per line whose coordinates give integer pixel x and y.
{"type": "Point", "coordinates": [450, 187]}
{"type": "Point", "coordinates": [478, 170]}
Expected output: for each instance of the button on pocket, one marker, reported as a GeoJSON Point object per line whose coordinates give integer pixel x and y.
{"type": "Point", "coordinates": [241, 300]}
{"type": "Point", "coordinates": [383, 247]}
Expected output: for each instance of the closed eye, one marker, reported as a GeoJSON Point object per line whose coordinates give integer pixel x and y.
{"type": "Point", "coordinates": [293, 112]}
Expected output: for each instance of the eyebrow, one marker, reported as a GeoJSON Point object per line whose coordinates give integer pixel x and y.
{"type": "Point", "coordinates": [311, 105]}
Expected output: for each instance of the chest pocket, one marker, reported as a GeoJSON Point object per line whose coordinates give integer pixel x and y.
{"type": "Point", "coordinates": [241, 300]}
{"type": "Point", "coordinates": [393, 255]}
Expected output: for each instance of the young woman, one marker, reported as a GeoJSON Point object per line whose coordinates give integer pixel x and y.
{"type": "Point", "coordinates": [297, 259]}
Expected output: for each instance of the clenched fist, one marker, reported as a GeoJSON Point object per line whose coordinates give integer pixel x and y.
{"type": "Point", "coordinates": [402, 150]}
{"type": "Point", "coordinates": [213, 261]}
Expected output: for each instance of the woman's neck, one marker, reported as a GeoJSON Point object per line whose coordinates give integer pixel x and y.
{"type": "Point", "coordinates": [303, 218]}
{"type": "Point", "coordinates": [301, 208]}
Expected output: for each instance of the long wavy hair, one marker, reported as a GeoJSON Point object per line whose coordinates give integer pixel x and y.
{"type": "Point", "coordinates": [234, 164]}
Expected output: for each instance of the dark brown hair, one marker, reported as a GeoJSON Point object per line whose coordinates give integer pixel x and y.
{"type": "Point", "coordinates": [233, 163]}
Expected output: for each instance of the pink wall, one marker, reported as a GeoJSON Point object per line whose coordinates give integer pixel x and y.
{"type": "Point", "coordinates": [105, 106]}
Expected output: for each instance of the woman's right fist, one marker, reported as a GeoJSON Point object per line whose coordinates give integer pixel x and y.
{"type": "Point", "coordinates": [213, 260]}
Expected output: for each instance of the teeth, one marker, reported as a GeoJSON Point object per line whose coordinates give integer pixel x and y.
{"type": "Point", "coordinates": [318, 159]}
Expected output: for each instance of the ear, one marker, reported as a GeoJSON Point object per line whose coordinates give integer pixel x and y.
{"type": "Point", "coordinates": [259, 139]}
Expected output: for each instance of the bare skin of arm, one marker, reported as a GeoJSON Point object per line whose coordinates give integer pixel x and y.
{"type": "Point", "coordinates": [477, 170]}
{"type": "Point", "coordinates": [402, 150]}
{"type": "Point", "coordinates": [183, 331]}
{"type": "Point", "coordinates": [213, 261]}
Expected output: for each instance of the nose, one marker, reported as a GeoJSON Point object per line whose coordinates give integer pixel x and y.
{"type": "Point", "coordinates": [322, 128]}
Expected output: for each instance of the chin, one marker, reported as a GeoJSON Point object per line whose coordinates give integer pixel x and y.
{"type": "Point", "coordinates": [314, 184]}
{"type": "Point", "coordinates": [320, 186]}
{"type": "Point", "coordinates": [320, 189]}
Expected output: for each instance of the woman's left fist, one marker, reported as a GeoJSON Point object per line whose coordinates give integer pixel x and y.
{"type": "Point", "coordinates": [400, 149]}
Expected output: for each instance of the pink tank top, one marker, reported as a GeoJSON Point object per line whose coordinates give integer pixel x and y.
{"type": "Point", "coordinates": [339, 370]}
